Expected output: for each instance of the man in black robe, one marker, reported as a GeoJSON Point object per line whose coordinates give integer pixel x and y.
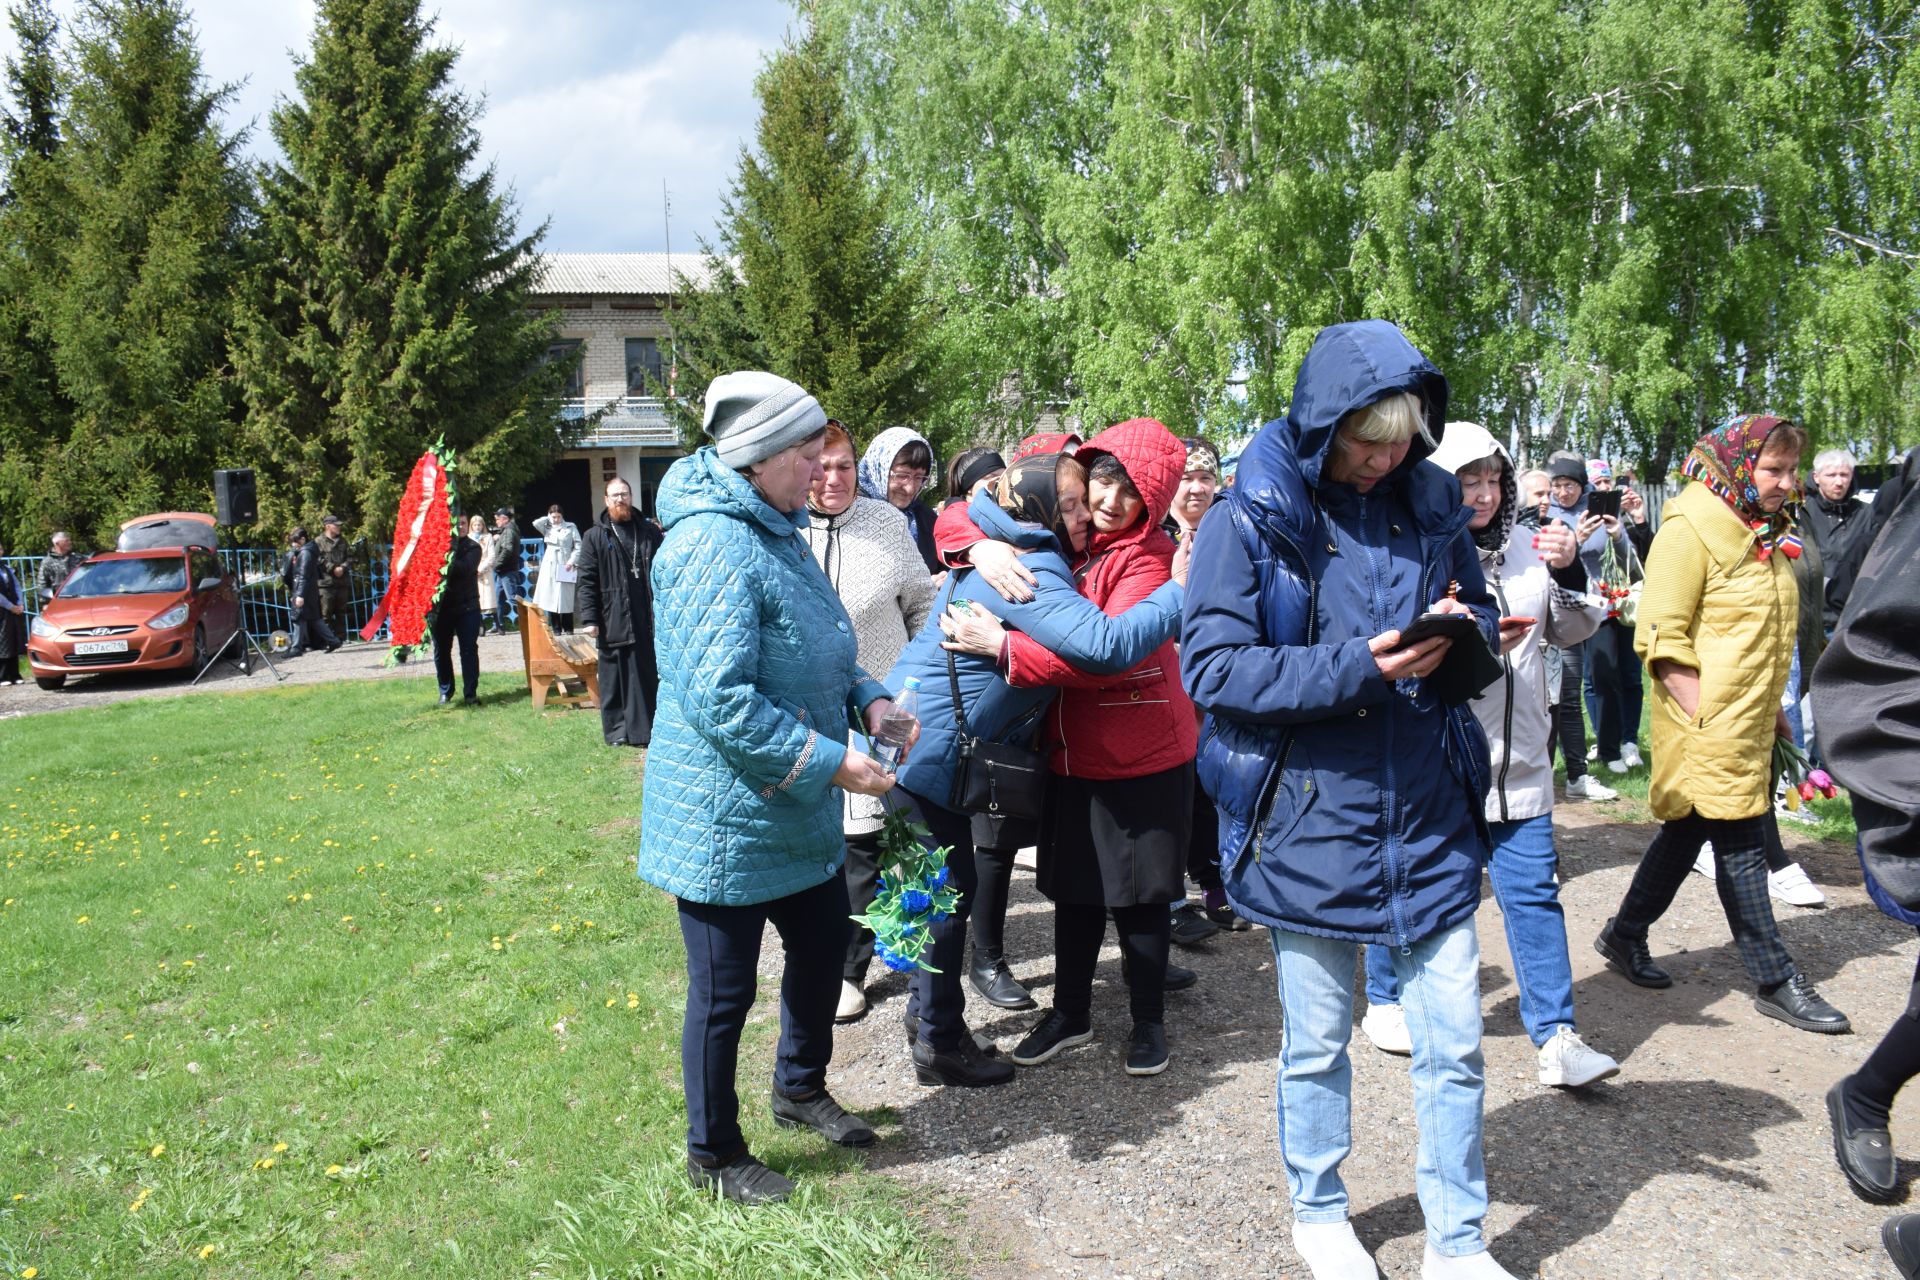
{"type": "Point", "coordinates": [614, 604]}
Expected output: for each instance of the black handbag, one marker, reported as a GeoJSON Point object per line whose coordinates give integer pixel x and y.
{"type": "Point", "coordinates": [994, 778]}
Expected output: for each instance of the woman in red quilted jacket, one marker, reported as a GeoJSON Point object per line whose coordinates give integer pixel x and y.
{"type": "Point", "coordinates": [1114, 840]}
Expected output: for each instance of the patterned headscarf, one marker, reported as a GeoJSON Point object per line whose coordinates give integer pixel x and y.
{"type": "Point", "coordinates": [1724, 459]}
{"type": "Point", "coordinates": [1029, 491]}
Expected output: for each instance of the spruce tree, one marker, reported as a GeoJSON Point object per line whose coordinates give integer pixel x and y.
{"type": "Point", "coordinates": [810, 280]}
{"type": "Point", "coordinates": [132, 254]}
{"type": "Point", "coordinates": [34, 415]}
{"type": "Point", "coordinates": [388, 308]}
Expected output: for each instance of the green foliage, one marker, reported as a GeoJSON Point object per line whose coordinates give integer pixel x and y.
{"type": "Point", "coordinates": [405, 942]}
{"type": "Point", "coordinates": [388, 307]}
{"type": "Point", "coordinates": [1610, 224]}
{"type": "Point", "coordinates": [810, 278]}
{"type": "Point", "coordinates": [121, 249]}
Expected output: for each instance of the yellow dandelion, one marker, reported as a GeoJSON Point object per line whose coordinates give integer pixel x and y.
{"type": "Point", "coordinates": [609, 1002]}
{"type": "Point", "coordinates": [333, 1170]}
{"type": "Point", "coordinates": [279, 1147]}
{"type": "Point", "coordinates": [29, 1273]}
{"type": "Point", "coordinates": [265, 1162]}
{"type": "Point", "coordinates": [83, 920]}
{"type": "Point", "coordinates": [159, 1149]}
{"type": "Point", "coordinates": [206, 1251]}
{"type": "Point", "coordinates": [496, 946]}
{"type": "Point", "coordinates": [346, 919]}
{"type": "Point", "coordinates": [633, 1002]}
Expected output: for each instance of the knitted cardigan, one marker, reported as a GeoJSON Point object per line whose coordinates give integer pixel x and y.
{"type": "Point", "coordinates": [870, 557]}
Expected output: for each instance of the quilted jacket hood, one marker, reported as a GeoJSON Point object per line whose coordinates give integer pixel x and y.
{"type": "Point", "coordinates": [878, 460]}
{"type": "Point", "coordinates": [700, 482]}
{"type": "Point", "coordinates": [1154, 459]}
{"type": "Point", "coordinates": [1350, 366]}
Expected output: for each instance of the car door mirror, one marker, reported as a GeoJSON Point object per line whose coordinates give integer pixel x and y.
{"type": "Point", "coordinates": [207, 584]}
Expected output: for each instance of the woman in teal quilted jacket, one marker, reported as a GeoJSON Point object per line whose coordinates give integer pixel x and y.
{"type": "Point", "coordinates": [741, 823]}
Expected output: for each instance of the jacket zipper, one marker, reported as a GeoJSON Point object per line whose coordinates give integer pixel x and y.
{"type": "Point", "coordinates": [1390, 851]}
{"type": "Point", "coordinates": [1506, 743]}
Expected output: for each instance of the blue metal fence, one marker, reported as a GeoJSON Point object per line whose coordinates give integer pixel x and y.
{"type": "Point", "coordinates": [264, 605]}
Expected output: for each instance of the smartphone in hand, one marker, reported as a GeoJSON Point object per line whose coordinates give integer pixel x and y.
{"type": "Point", "coordinates": [1451, 626]}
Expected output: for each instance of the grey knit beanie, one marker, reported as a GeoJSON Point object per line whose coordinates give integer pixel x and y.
{"type": "Point", "coordinates": [753, 415]}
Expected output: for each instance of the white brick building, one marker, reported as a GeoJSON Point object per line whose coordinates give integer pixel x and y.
{"type": "Point", "coordinates": [612, 306]}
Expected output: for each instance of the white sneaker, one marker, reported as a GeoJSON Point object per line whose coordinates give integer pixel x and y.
{"type": "Point", "coordinates": [1468, 1266]}
{"type": "Point", "coordinates": [853, 1003]}
{"type": "Point", "coordinates": [1332, 1252]}
{"type": "Point", "coordinates": [1703, 862]}
{"type": "Point", "coordinates": [1617, 766]}
{"type": "Point", "coordinates": [1567, 1062]}
{"type": "Point", "coordinates": [1593, 752]}
{"type": "Point", "coordinates": [1790, 885]}
{"type": "Point", "coordinates": [1630, 754]}
{"type": "Point", "coordinates": [1386, 1026]}
{"type": "Point", "coordinates": [1588, 787]}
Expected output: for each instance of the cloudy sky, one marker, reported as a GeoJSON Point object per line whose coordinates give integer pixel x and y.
{"type": "Point", "coordinates": [590, 104]}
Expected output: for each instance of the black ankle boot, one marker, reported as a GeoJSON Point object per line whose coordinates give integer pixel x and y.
{"type": "Point", "coordinates": [1630, 958]}
{"type": "Point", "coordinates": [996, 983]}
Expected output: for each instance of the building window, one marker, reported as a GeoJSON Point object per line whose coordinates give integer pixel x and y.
{"type": "Point", "coordinates": [645, 375]}
{"type": "Point", "coordinates": [569, 349]}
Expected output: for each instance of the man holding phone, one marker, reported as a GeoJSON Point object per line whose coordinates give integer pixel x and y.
{"type": "Point", "coordinates": [1569, 493]}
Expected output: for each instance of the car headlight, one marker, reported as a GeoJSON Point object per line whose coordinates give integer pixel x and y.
{"type": "Point", "coordinates": [171, 618]}
{"type": "Point", "coordinates": [44, 629]}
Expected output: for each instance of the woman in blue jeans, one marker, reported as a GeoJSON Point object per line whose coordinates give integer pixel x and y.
{"type": "Point", "coordinates": [1541, 586]}
{"type": "Point", "coordinates": [1350, 793]}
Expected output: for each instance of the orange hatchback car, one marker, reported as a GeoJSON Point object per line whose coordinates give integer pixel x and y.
{"type": "Point", "coordinates": [162, 601]}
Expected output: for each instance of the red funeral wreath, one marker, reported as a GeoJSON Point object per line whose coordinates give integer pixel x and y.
{"type": "Point", "coordinates": [422, 545]}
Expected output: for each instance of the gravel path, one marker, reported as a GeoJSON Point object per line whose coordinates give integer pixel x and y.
{"type": "Point", "coordinates": [1707, 1156]}
{"type": "Point", "coordinates": [499, 661]}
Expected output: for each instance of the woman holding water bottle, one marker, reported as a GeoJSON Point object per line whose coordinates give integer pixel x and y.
{"type": "Point", "coordinates": [1039, 509]}
{"type": "Point", "coordinates": [1114, 839]}
{"type": "Point", "coordinates": [870, 558]}
{"type": "Point", "coordinates": [759, 685]}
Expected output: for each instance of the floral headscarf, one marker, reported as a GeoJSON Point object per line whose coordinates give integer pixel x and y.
{"type": "Point", "coordinates": [1029, 491]}
{"type": "Point", "coordinates": [1723, 460]}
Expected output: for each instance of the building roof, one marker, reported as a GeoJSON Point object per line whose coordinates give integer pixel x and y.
{"type": "Point", "coordinates": [656, 273]}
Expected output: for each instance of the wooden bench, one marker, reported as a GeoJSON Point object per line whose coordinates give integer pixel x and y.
{"type": "Point", "coordinates": [553, 659]}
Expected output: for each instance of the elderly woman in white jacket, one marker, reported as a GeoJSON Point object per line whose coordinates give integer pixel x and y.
{"type": "Point", "coordinates": [554, 590]}
{"type": "Point", "coordinates": [1542, 589]}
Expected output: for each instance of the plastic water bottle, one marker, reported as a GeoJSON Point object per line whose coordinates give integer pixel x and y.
{"type": "Point", "coordinates": [896, 727]}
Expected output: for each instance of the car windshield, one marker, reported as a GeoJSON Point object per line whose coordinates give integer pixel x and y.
{"type": "Point", "coordinates": [147, 576]}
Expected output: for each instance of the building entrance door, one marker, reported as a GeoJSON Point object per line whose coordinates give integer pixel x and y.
{"type": "Point", "coordinates": [570, 484]}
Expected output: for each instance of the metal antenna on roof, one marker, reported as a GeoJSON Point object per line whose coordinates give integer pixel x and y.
{"type": "Point", "coordinates": [673, 346]}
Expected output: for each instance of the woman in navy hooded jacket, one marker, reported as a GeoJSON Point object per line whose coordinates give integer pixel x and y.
{"type": "Point", "coordinates": [1351, 797]}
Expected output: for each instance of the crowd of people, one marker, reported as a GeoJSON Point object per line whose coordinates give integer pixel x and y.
{"type": "Point", "coordinates": [1324, 698]}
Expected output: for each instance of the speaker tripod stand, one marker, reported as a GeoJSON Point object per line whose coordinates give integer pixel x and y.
{"type": "Point", "coordinates": [244, 641]}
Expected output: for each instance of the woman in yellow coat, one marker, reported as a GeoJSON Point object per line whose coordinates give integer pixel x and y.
{"type": "Point", "coordinates": [1716, 629]}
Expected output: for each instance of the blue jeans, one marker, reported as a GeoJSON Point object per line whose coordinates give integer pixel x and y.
{"type": "Point", "coordinates": [1440, 982]}
{"type": "Point", "coordinates": [508, 587]}
{"type": "Point", "coordinates": [1611, 671]}
{"type": "Point", "coordinates": [1790, 702]}
{"type": "Point", "coordinates": [1522, 869]}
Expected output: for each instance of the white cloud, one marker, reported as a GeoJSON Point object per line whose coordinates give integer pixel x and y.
{"type": "Point", "coordinates": [589, 104]}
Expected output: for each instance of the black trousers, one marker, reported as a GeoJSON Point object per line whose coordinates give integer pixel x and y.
{"type": "Point", "coordinates": [629, 690]}
{"type": "Point", "coordinates": [1739, 847]}
{"type": "Point", "coordinates": [1145, 931]}
{"type": "Point", "coordinates": [862, 874]}
{"type": "Point", "coordinates": [464, 628]}
{"type": "Point", "coordinates": [1567, 718]}
{"type": "Point", "coordinates": [1203, 847]}
{"type": "Point", "coordinates": [939, 1000]}
{"type": "Point", "coordinates": [723, 960]}
{"type": "Point", "coordinates": [309, 629]}
{"type": "Point", "coordinates": [993, 872]}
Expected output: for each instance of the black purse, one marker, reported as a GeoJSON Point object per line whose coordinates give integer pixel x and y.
{"type": "Point", "coordinates": [994, 778]}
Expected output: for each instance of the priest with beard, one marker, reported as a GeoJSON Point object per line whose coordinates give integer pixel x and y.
{"type": "Point", "coordinates": [614, 603]}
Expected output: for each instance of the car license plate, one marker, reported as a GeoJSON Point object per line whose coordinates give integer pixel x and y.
{"type": "Point", "coordinates": [101, 646]}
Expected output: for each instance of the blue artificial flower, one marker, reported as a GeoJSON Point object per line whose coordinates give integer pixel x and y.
{"type": "Point", "coordinates": [940, 915]}
{"type": "Point", "coordinates": [899, 963]}
{"type": "Point", "coordinates": [913, 902]}
{"type": "Point", "coordinates": [938, 880]}
{"type": "Point", "coordinates": [906, 929]}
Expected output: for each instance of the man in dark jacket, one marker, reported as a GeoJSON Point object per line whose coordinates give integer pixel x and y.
{"type": "Point", "coordinates": [302, 578]}
{"type": "Point", "coordinates": [457, 617]}
{"type": "Point", "coordinates": [1839, 523]}
{"type": "Point", "coordinates": [54, 569]}
{"type": "Point", "coordinates": [614, 602]}
{"type": "Point", "coordinates": [509, 583]}
{"type": "Point", "coordinates": [1865, 689]}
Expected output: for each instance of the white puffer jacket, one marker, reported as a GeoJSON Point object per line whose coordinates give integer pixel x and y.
{"type": "Point", "coordinates": [870, 557]}
{"type": "Point", "coordinates": [1514, 710]}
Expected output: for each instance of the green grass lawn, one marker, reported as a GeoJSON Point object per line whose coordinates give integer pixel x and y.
{"type": "Point", "coordinates": [330, 981]}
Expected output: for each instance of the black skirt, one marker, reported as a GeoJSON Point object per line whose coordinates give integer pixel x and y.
{"type": "Point", "coordinates": [1119, 842]}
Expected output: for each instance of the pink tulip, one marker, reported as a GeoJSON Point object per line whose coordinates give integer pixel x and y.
{"type": "Point", "coordinates": [1821, 779]}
